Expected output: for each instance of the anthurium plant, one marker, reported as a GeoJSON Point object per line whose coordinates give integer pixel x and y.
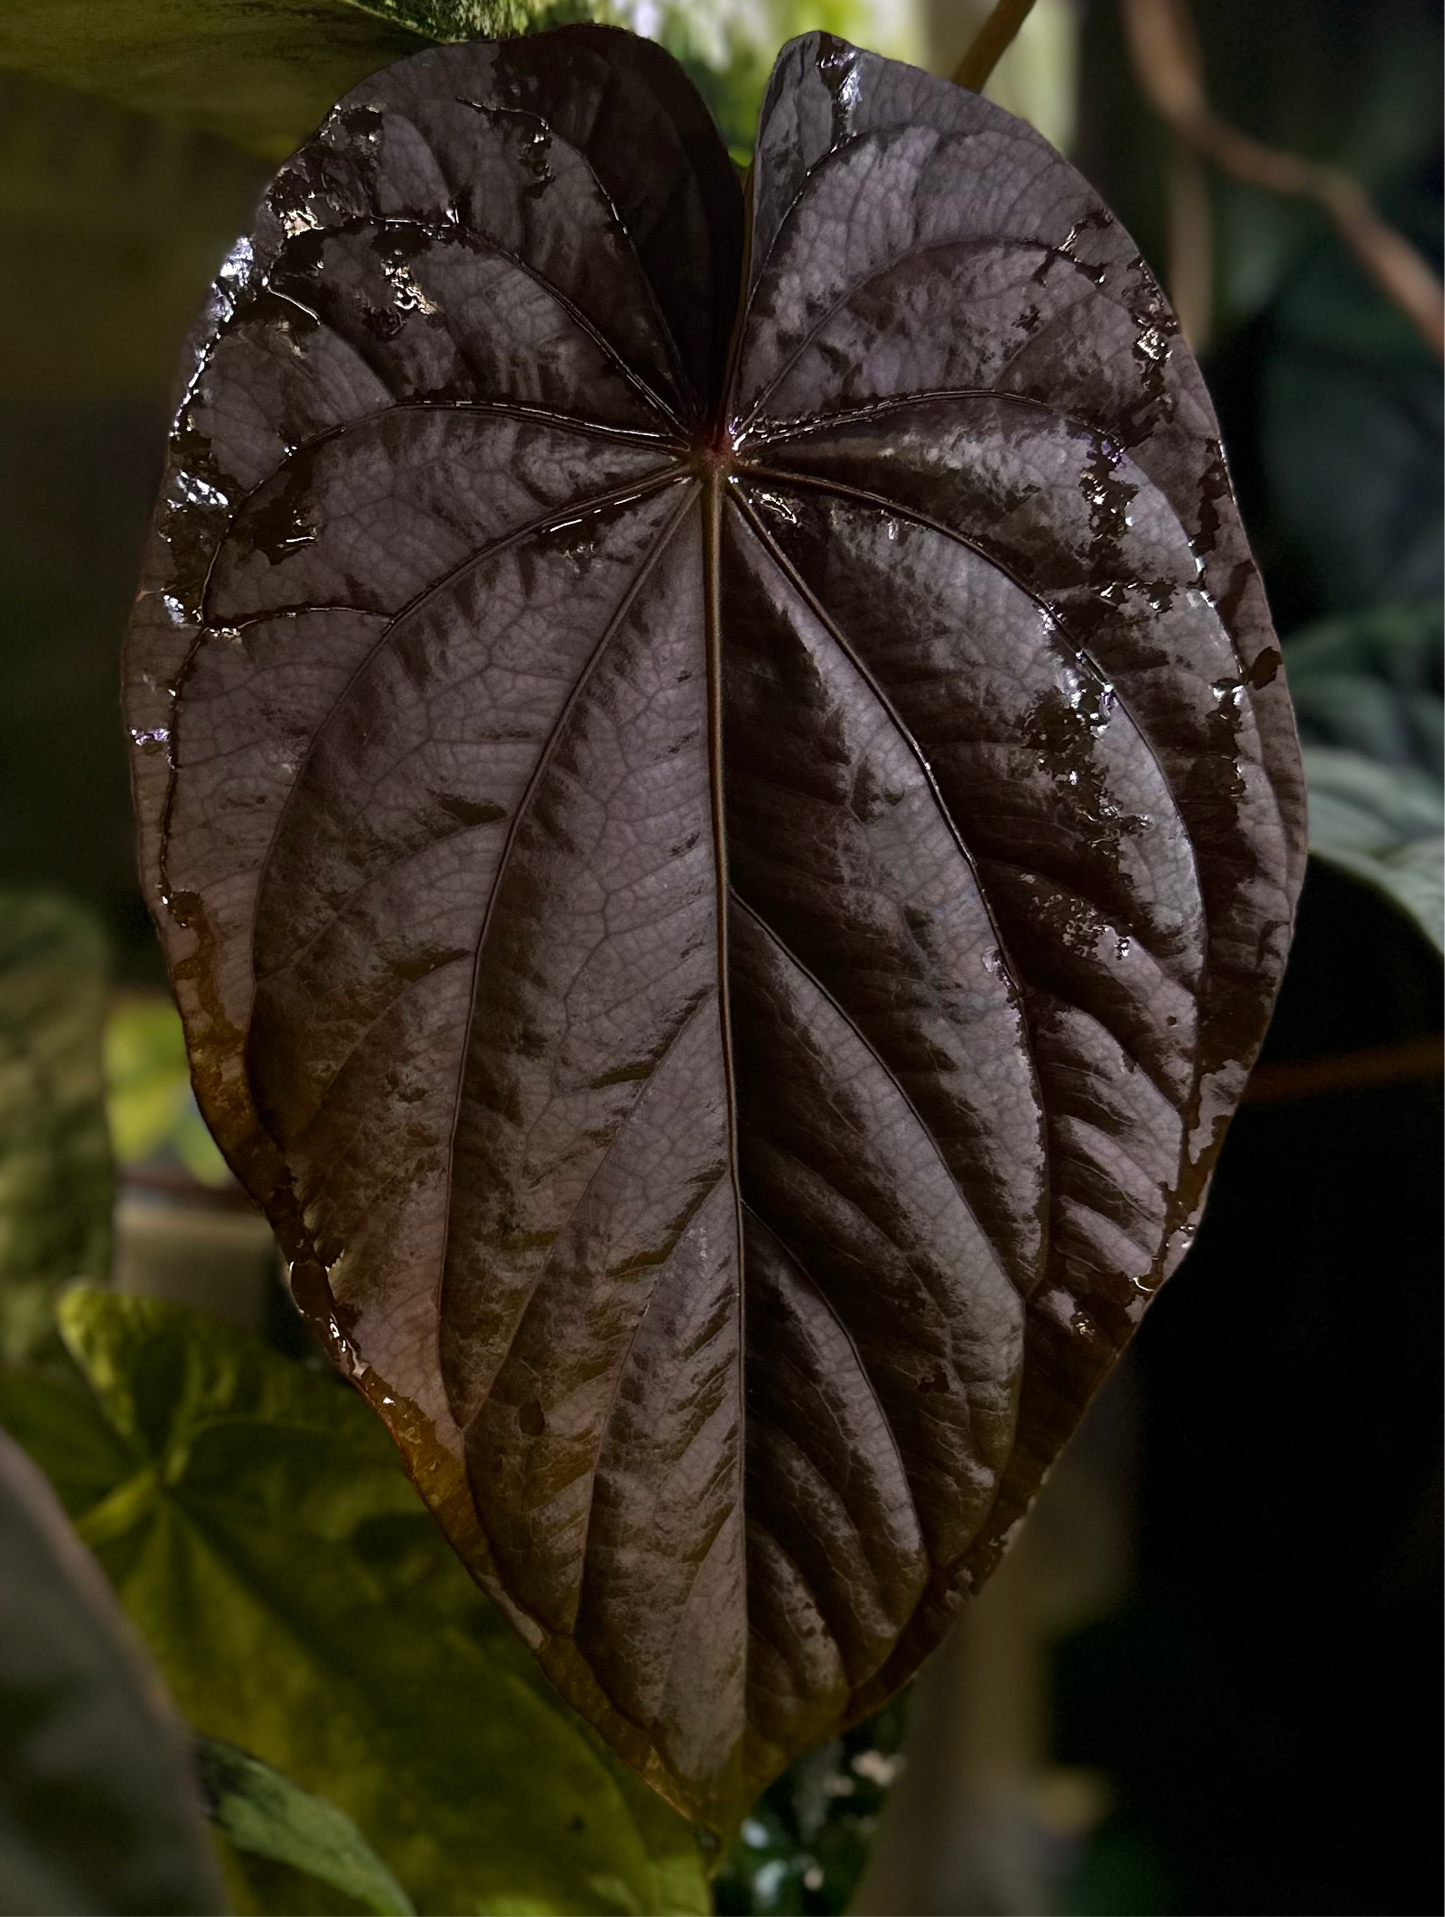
{"type": "Point", "coordinates": [721, 806]}
{"type": "Point", "coordinates": [718, 792]}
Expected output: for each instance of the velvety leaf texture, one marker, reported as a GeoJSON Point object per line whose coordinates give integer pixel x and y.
{"type": "Point", "coordinates": [726, 826]}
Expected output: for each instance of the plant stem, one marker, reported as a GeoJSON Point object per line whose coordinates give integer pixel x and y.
{"type": "Point", "coordinates": [1406, 1061]}
{"type": "Point", "coordinates": [990, 43]}
{"type": "Point", "coordinates": [1166, 57]}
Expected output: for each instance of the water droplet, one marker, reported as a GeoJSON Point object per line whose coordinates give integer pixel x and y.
{"type": "Point", "coordinates": [1152, 343]}
{"type": "Point", "coordinates": [298, 220]}
{"type": "Point", "coordinates": [406, 295]}
{"type": "Point", "coordinates": [196, 491]}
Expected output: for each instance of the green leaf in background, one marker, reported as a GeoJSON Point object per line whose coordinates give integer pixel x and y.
{"type": "Point", "coordinates": [262, 73]}
{"type": "Point", "coordinates": [149, 1100]}
{"type": "Point", "coordinates": [301, 1604]}
{"type": "Point", "coordinates": [259, 1810]}
{"type": "Point", "coordinates": [1385, 826]}
{"type": "Point", "coordinates": [1373, 682]}
{"type": "Point", "coordinates": [55, 1169]}
{"type": "Point", "coordinates": [98, 1812]}
{"type": "Point", "coordinates": [1368, 692]}
{"type": "Point", "coordinates": [1352, 422]}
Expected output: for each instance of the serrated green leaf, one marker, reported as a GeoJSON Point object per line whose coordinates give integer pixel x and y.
{"type": "Point", "coordinates": [97, 1810]}
{"type": "Point", "coordinates": [302, 1605]}
{"type": "Point", "coordinates": [258, 1809]}
{"type": "Point", "coordinates": [55, 1171]}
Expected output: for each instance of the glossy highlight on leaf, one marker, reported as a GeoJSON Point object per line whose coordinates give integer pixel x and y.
{"type": "Point", "coordinates": [725, 823]}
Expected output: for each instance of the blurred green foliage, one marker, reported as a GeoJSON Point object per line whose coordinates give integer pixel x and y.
{"type": "Point", "coordinates": [94, 1809]}
{"type": "Point", "coordinates": [260, 1811]}
{"type": "Point", "coordinates": [803, 1846]}
{"type": "Point", "coordinates": [55, 1165]}
{"type": "Point", "coordinates": [149, 1102]}
{"type": "Point", "coordinates": [300, 1603]}
{"type": "Point", "coordinates": [1350, 428]}
{"type": "Point", "coordinates": [1263, 1682]}
{"type": "Point", "coordinates": [261, 74]}
{"type": "Point", "coordinates": [1328, 79]}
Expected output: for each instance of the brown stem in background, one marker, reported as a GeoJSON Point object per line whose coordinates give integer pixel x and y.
{"type": "Point", "coordinates": [1191, 242]}
{"type": "Point", "coordinates": [990, 43]}
{"type": "Point", "coordinates": [1409, 1060]}
{"type": "Point", "coordinates": [1167, 62]}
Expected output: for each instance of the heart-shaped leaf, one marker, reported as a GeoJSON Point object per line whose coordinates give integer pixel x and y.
{"type": "Point", "coordinates": [723, 876]}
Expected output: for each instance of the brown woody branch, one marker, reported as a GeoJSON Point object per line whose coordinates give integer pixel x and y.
{"type": "Point", "coordinates": [1167, 60]}
{"type": "Point", "coordinates": [1410, 1060]}
{"type": "Point", "coordinates": [990, 43]}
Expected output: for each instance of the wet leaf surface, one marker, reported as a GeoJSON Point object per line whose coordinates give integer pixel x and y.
{"type": "Point", "coordinates": [300, 1604]}
{"type": "Point", "coordinates": [723, 878]}
{"type": "Point", "coordinates": [98, 1809]}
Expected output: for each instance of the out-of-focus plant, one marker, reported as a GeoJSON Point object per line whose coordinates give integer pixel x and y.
{"type": "Point", "coordinates": [149, 1101]}
{"type": "Point", "coordinates": [55, 1164]}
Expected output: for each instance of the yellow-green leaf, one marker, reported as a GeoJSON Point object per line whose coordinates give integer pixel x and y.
{"type": "Point", "coordinates": [301, 1603]}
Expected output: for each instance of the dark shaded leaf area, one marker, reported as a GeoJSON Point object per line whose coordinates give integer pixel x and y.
{"type": "Point", "coordinates": [97, 1810]}
{"type": "Point", "coordinates": [723, 877]}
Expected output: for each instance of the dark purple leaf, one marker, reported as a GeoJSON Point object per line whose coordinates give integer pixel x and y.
{"type": "Point", "coordinates": [723, 879]}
